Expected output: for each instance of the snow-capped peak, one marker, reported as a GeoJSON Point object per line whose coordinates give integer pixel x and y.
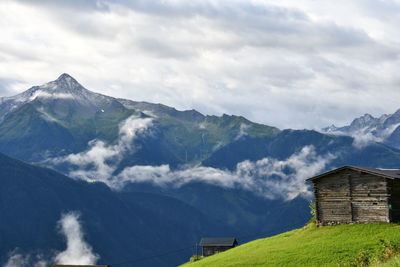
{"type": "Point", "coordinates": [65, 88]}
{"type": "Point", "coordinates": [367, 127]}
{"type": "Point", "coordinates": [329, 129]}
{"type": "Point", "coordinates": [67, 81]}
{"type": "Point", "coordinates": [363, 121]}
{"type": "Point", "coordinates": [64, 84]}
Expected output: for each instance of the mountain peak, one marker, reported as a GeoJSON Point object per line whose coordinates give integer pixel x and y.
{"type": "Point", "coordinates": [367, 116]}
{"type": "Point", "coordinates": [67, 81]}
{"type": "Point", "coordinates": [330, 129]}
{"type": "Point", "coordinates": [365, 121]}
{"type": "Point", "coordinates": [65, 76]}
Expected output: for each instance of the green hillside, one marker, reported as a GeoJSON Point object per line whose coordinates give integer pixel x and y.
{"type": "Point", "coordinates": [344, 245]}
{"type": "Point", "coordinates": [393, 262]}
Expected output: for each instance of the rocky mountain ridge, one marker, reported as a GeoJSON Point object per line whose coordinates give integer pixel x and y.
{"type": "Point", "coordinates": [385, 129]}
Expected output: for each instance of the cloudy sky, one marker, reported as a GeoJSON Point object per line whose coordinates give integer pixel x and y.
{"type": "Point", "coordinates": [287, 63]}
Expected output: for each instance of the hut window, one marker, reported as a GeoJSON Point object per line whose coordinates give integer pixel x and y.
{"type": "Point", "coordinates": [375, 203]}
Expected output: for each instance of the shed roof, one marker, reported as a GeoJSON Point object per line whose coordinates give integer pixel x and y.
{"type": "Point", "coordinates": [386, 173]}
{"type": "Point", "coordinates": [219, 241]}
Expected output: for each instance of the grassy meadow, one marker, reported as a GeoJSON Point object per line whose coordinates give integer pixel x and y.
{"type": "Point", "coordinates": [343, 245]}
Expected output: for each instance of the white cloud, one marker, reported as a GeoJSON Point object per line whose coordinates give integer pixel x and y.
{"type": "Point", "coordinates": [362, 140]}
{"type": "Point", "coordinates": [286, 63]}
{"type": "Point", "coordinates": [77, 251]}
{"type": "Point", "coordinates": [100, 160]}
{"type": "Point", "coordinates": [17, 260]}
{"type": "Point", "coordinates": [268, 177]}
{"type": "Point", "coordinates": [242, 131]}
{"type": "Point", "coordinates": [43, 94]}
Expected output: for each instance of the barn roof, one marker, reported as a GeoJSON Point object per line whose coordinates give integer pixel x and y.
{"type": "Point", "coordinates": [386, 173]}
{"type": "Point", "coordinates": [220, 241]}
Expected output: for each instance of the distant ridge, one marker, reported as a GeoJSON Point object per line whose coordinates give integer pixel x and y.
{"type": "Point", "coordinates": [385, 128]}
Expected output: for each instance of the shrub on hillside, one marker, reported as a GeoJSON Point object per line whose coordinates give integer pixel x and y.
{"type": "Point", "coordinates": [195, 258]}
{"type": "Point", "coordinates": [388, 249]}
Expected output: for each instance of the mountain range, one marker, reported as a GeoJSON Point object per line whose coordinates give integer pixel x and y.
{"type": "Point", "coordinates": [165, 177]}
{"type": "Point", "coordinates": [61, 117]}
{"type": "Point", "coordinates": [366, 129]}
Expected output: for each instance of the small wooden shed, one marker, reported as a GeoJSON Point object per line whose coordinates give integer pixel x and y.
{"type": "Point", "coordinates": [352, 194]}
{"type": "Point", "coordinates": [211, 246]}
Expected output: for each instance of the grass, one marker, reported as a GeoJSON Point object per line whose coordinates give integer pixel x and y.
{"type": "Point", "coordinates": [394, 262]}
{"type": "Point", "coordinates": [341, 245]}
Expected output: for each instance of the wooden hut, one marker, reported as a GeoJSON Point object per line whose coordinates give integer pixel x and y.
{"type": "Point", "coordinates": [352, 194]}
{"type": "Point", "coordinates": [211, 246]}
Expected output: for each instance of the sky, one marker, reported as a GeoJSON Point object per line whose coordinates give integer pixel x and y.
{"type": "Point", "coordinates": [288, 63]}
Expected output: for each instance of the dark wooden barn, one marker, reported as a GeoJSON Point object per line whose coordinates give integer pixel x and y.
{"type": "Point", "coordinates": [211, 246]}
{"type": "Point", "coordinates": [353, 194]}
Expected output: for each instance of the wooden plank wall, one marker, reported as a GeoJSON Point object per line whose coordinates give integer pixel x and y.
{"type": "Point", "coordinates": [369, 198]}
{"type": "Point", "coordinates": [351, 197]}
{"type": "Point", "coordinates": [333, 199]}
